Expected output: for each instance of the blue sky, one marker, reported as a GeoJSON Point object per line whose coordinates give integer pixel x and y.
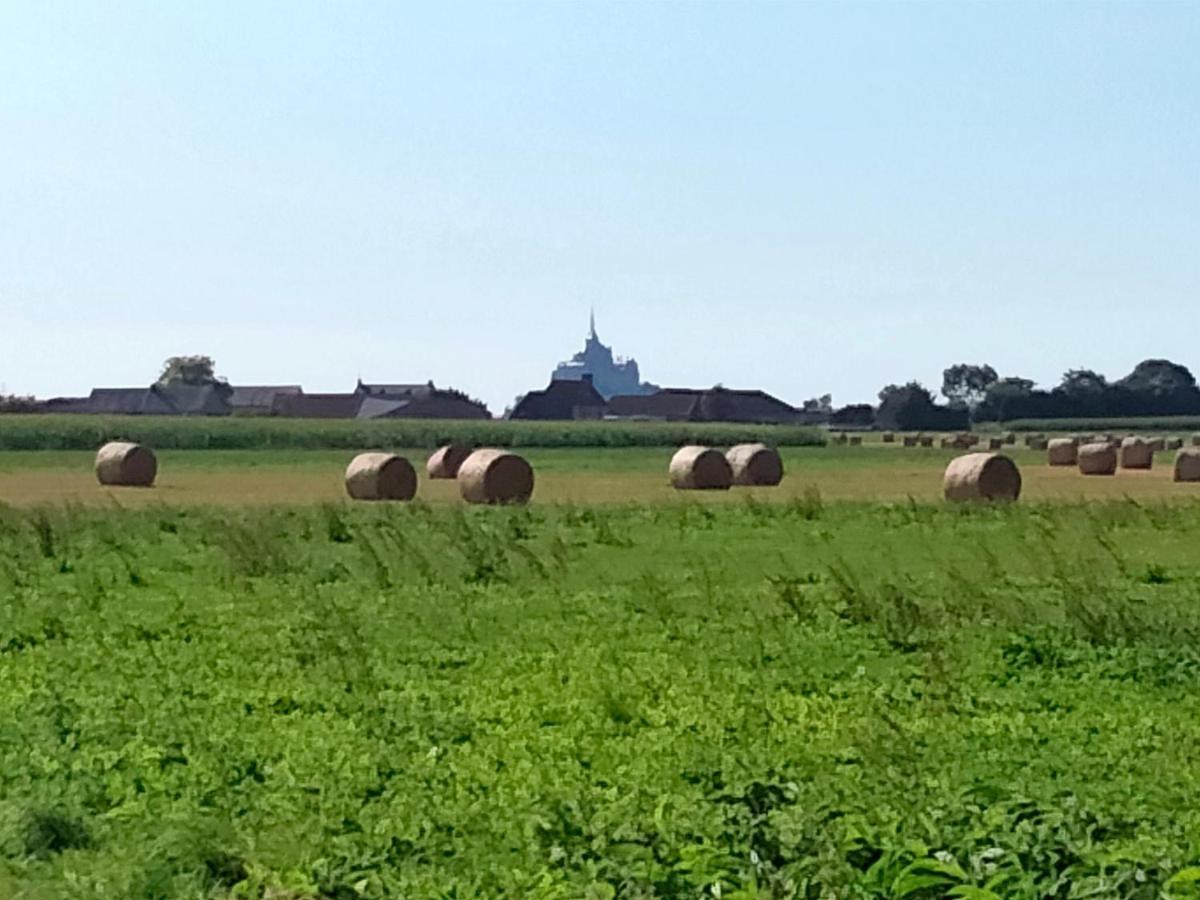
{"type": "Point", "coordinates": [806, 198]}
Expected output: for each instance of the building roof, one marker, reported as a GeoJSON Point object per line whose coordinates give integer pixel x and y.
{"type": "Point", "coordinates": [395, 390]}
{"type": "Point", "coordinates": [260, 395]}
{"type": "Point", "coordinates": [128, 402]}
{"type": "Point", "coordinates": [712, 405]}
{"type": "Point", "coordinates": [195, 399]}
{"type": "Point", "coordinates": [373, 407]}
{"type": "Point", "coordinates": [317, 406]}
{"type": "Point", "coordinates": [671, 404]}
{"type": "Point", "coordinates": [561, 400]}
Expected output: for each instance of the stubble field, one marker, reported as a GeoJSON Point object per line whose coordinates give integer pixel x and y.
{"type": "Point", "coordinates": [238, 684]}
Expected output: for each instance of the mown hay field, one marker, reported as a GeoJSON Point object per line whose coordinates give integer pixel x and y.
{"type": "Point", "coordinates": [803, 699]}
{"type": "Point", "coordinates": [573, 475]}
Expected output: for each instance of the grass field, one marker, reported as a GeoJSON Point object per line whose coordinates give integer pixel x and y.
{"type": "Point", "coordinates": [874, 472]}
{"type": "Point", "coordinates": [221, 688]}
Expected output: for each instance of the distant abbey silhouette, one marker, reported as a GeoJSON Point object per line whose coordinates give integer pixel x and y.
{"type": "Point", "coordinates": [611, 376]}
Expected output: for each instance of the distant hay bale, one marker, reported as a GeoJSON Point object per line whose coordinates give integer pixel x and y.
{"type": "Point", "coordinates": [856, 440]}
{"type": "Point", "coordinates": [1136, 453]}
{"type": "Point", "coordinates": [910, 440]}
{"type": "Point", "coordinates": [1098, 458]}
{"type": "Point", "coordinates": [947, 443]}
{"type": "Point", "coordinates": [1157, 445]}
{"type": "Point", "coordinates": [1037, 443]}
{"type": "Point", "coordinates": [925, 440]}
{"type": "Point", "coordinates": [380, 476]}
{"type": "Point", "coordinates": [1062, 452]}
{"type": "Point", "coordinates": [754, 464]}
{"type": "Point", "coordinates": [446, 461]}
{"type": "Point", "coordinates": [1174, 443]}
{"type": "Point", "coordinates": [888, 437]}
{"type": "Point", "coordinates": [1187, 464]}
{"type": "Point", "coordinates": [982, 476]}
{"type": "Point", "coordinates": [1010, 437]}
{"type": "Point", "coordinates": [125, 464]}
{"type": "Point", "coordinates": [1196, 440]}
{"type": "Point", "coordinates": [995, 443]}
{"type": "Point", "coordinates": [700, 469]}
{"type": "Point", "coordinates": [495, 476]}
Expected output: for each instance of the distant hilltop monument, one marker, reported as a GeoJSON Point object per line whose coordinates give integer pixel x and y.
{"type": "Point", "coordinates": [611, 376]}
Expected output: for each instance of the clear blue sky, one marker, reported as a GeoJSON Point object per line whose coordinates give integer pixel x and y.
{"type": "Point", "coordinates": [799, 197]}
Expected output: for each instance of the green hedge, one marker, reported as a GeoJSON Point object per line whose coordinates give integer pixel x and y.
{"type": "Point", "coordinates": [75, 432]}
{"type": "Point", "coordinates": [1128, 423]}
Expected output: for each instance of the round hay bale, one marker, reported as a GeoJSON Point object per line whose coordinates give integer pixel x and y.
{"type": "Point", "coordinates": [1038, 443]}
{"type": "Point", "coordinates": [982, 476]}
{"type": "Point", "coordinates": [1187, 464]}
{"type": "Point", "coordinates": [925, 440]}
{"type": "Point", "coordinates": [445, 462]}
{"type": "Point", "coordinates": [1062, 452]}
{"type": "Point", "coordinates": [1010, 437]}
{"type": "Point", "coordinates": [700, 469]}
{"type": "Point", "coordinates": [754, 464]}
{"type": "Point", "coordinates": [888, 437]}
{"type": "Point", "coordinates": [1098, 458]}
{"type": "Point", "coordinates": [1196, 440]}
{"type": "Point", "coordinates": [910, 440]}
{"type": "Point", "coordinates": [1157, 445]}
{"type": "Point", "coordinates": [995, 443]}
{"type": "Point", "coordinates": [495, 476]}
{"type": "Point", "coordinates": [380, 476]}
{"type": "Point", "coordinates": [947, 443]}
{"type": "Point", "coordinates": [856, 440]}
{"type": "Point", "coordinates": [1136, 454]}
{"type": "Point", "coordinates": [126, 464]}
{"type": "Point", "coordinates": [1174, 443]}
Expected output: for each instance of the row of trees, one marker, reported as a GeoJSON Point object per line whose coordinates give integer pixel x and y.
{"type": "Point", "coordinates": [1155, 387]}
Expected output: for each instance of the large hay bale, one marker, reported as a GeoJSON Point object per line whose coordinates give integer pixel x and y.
{"type": "Point", "coordinates": [982, 476]}
{"type": "Point", "coordinates": [1187, 464]}
{"type": "Point", "coordinates": [1098, 458]}
{"type": "Point", "coordinates": [1062, 452]}
{"type": "Point", "coordinates": [446, 461]}
{"type": "Point", "coordinates": [126, 464]}
{"type": "Point", "coordinates": [495, 476]}
{"type": "Point", "coordinates": [380, 476]}
{"type": "Point", "coordinates": [700, 469]}
{"type": "Point", "coordinates": [1136, 453]}
{"type": "Point", "coordinates": [754, 464]}
{"type": "Point", "coordinates": [888, 437]}
{"type": "Point", "coordinates": [1157, 445]}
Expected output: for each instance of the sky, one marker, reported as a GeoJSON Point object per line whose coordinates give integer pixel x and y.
{"type": "Point", "coordinates": [805, 198]}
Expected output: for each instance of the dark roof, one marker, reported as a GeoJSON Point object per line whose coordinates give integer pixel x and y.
{"type": "Point", "coordinates": [561, 400]}
{"type": "Point", "coordinates": [195, 399]}
{"type": "Point", "coordinates": [128, 402]}
{"type": "Point", "coordinates": [317, 406]}
{"type": "Point", "coordinates": [712, 405]}
{"type": "Point", "coordinates": [395, 390]}
{"type": "Point", "coordinates": [373, 407]}
{"type": "Point", "coordinates": [260, 396]}
{"type": "Point", "coordinates": [671, 404]}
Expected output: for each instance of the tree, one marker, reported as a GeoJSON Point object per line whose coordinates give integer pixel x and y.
{"type": "Point", "coordinates": [189, 370]}
{"type": "Point", "coordinates": [910, 407]}
{"type": "Point", "coordinates": [965, 384]}
{"type": "Point", "coordinates": [822, 404]}
{"type": "Point", "coordinates": [1159, 378]}
{"type": "Point", "coordinates": [1004, 399]}
{"type": "Point", "coordinates": [1082, 383]}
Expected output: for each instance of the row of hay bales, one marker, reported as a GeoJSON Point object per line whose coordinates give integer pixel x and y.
{"type": "Point", "coordinates": [1104, 454]}
{"type": "Point", "coordinates": [695, 468]}
{"type": "Point", "coordinates": [485, 475]}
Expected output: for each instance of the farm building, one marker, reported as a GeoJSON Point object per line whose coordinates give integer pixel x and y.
{"type": "Point", "coordinates": [562, 399]}
{"type": "Point", "coordinates": [716, 404]}
{"type": "Point", "coordinates": [260, 398]}
{"type": "Point", "coordinates": [175, 399]}
{"type": "Point", "coordinates": [424, 402]}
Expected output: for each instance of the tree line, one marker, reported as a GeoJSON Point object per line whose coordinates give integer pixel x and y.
{"type": "Point", "coordinates": [977, 393]}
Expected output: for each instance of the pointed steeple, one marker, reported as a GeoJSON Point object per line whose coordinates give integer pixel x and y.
{"type": "Point", "coordinates": [592, 324]}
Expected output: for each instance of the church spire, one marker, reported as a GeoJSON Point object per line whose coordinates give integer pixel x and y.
{"type": "Point", "coordinates": [592, 324]}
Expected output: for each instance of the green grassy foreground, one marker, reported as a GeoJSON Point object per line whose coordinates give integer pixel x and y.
{"type": "Point", "coordinates": [794, 700]}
